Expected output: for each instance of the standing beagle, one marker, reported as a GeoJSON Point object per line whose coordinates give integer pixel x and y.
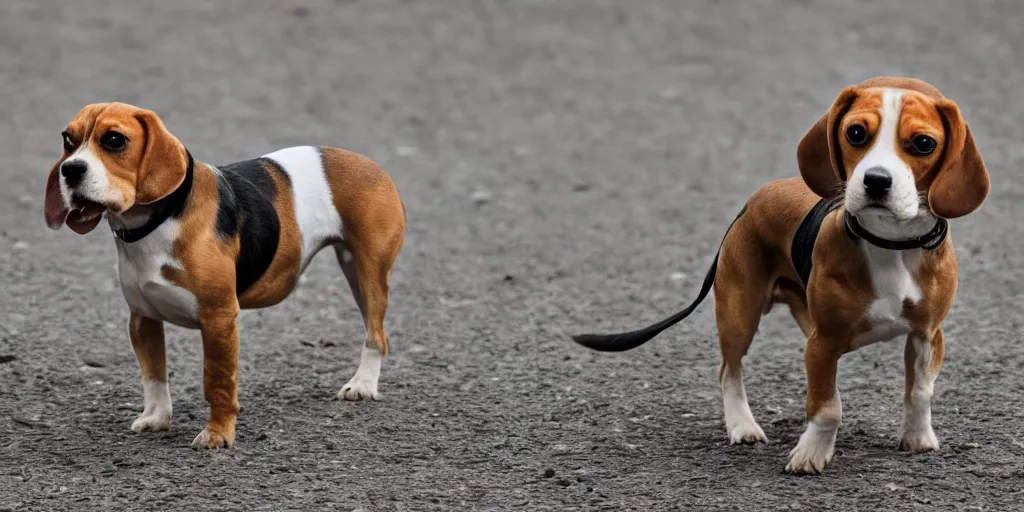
{"type": "Point", "coordinates": [858, 250]}
{"type": "Point", "coordinates": [197, 243]}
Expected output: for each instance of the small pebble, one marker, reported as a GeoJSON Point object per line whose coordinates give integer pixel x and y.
{"type": "Point", "coordinates": [480, 196]}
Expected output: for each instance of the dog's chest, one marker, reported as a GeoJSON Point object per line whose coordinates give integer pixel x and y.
{"type": "Point", "coordinates": [893, 279]}
{"type": "Point", "coordinates": [147, 292]}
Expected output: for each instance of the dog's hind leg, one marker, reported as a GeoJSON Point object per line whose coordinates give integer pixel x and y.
{"type": "Point", "coordinates": [367, 268]}
{"type": "Point", "coordinates": [792, 295]}
{"type": "Point", "coordinates": [740, 290]}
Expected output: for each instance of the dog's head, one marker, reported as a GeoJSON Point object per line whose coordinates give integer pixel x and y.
{"type": "Point", "coordinates": [116, 156]}
{"type": "Point", "coordinates": [901, 151]}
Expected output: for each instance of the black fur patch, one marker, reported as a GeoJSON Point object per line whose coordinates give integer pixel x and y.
{"type": "Point", "coordinates": [245, 208]}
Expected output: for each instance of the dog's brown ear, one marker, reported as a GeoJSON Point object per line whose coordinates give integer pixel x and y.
{"type": "Point", "coordinates": [962, 183]}
{"type": "Point", "coordinates": [53, 203]}
{"type": "Point", "coordinates": [819, 155]}
{"type": "Point", "coordinates": [163, 165]}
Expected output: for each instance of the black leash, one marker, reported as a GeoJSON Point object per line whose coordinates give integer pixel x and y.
{"type": "Point", "coordinates": [170, 206]}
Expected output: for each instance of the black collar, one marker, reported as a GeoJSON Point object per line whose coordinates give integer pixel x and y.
{"type": "Point", "coordinates": [170, 206]}
{"type": "Point", "coordinates": [929, 240]}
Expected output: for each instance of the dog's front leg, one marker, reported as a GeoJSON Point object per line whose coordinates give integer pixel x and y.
{"type": "Point", "coordinates": [824, 409]}
{"type": "Point", "coordinates": [923, 360]}
{"type": "Point", "coordinates": [147, 336]}
{"type": "Point", "coordinates": [218, 323]}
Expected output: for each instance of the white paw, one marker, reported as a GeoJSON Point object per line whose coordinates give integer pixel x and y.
{"type": "Point", "coordinates": [212, 440]}
{"type": "Point", "coordinates": [813, 452]}
{"type": "Point", "coordinates": [364, 385]}
{"type": "Point", "coordinates": [918, 440]}
{"type": "Point", "coordinates": [152, 422]}
{"type": "Point", "coordinates": [156, 415]}
{"type": "Point", "coordinates": [359, 388]}
{"type": "Point", "coordinates": [746, 432]}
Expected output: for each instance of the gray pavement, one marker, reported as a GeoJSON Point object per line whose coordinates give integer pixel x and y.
{"type": "Point", "coordinates": [560, 161]}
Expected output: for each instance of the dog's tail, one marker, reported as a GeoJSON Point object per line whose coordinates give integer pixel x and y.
{"type": "Point", "coordinates": [629, 340]}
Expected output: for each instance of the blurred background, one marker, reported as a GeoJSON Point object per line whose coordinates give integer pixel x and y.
{"type": "Point", "coordinates": [567, 166]}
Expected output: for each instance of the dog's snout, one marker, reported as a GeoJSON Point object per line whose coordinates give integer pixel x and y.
{"type": "Point", "coordinates": [877, 181]}
{"type": "Point", "coordinates": [72, 171]}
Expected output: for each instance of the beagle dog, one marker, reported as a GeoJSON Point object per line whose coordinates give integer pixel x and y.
{"type": "Point", "coordinates": [196, 243]}
{"type": "Point", "coordinates": [858, 249]}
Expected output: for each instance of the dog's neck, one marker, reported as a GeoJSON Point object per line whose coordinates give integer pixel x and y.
{"type": "Point", "coordinates": [138, 221]}
{"type": "Point", "coordinates": [925, 231]}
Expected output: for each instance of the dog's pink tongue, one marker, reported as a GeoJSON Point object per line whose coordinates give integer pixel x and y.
{"type": "Point", "coordinates": [86, 219]}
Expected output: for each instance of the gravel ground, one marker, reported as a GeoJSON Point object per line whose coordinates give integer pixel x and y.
{"type": "Point", "coordinates": [566, 166]}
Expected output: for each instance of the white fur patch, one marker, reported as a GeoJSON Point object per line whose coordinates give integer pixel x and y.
{"type": "Point", "coordinates": [818, 443]}
{"type": "Point", "coordinates": [145, 290]}
{"type": "Point", "coordinates": [156, 414]}
{"type": "Point", "coordinates": [315, 213]}
{"type": "Point", "coordinates": [892, 278]}
{"type": "Point", "coordinates": [364, 384]}
{"type": "Point", "coordinates": [739, 421]}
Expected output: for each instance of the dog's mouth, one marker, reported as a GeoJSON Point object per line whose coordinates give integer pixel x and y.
{"type": "Point", "coordinates": [84, 214]}
{"type": "Point", "coordinates": [876, 210]}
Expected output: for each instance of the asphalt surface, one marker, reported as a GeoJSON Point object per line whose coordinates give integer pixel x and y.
{"type": "Point", "coordinates": [567, 166]}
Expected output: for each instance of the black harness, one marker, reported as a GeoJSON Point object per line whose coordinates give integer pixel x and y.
{"type": "Point", "coordinates": [170, 206]}
{"type": "Point", "coordinates": [807, 233]}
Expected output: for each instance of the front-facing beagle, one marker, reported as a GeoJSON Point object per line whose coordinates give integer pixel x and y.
{"type": "Point", "coordinates": [197, 243]}
{"type": "Point", "coordinates": [858, 250]}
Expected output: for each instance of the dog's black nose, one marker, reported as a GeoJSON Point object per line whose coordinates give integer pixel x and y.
{"type": "Point", "coordinates": [877, 181]}
{"type": "Point", "coordinates": [73, 171]}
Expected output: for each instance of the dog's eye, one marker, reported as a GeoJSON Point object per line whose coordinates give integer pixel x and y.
{"type": "Point", "coordinates": [856, 135]}
{"type": "Point", "coordinates": [69, 145]}
{"type": "Point", "coordinates": [922, 145]}
{"type": "Point", "coordinates": [113, 141]}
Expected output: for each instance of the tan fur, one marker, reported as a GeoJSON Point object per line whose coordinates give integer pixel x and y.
{"type": "Point", "coordinates": [374, 231]}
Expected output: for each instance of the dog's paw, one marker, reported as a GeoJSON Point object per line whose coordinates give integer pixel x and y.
{"type": "Point", "coordinates": [918, 440]}
{"type": "Point", "coordinates": [746, 432]}
{"type": "Point", "coordinates": [210, 439]}
{"type": "Point", "coordinates": [359, 388]}
{"type": "Point", "coordinates": [152, 422]}
{"type": "Point", "coordinates": [805, 460]}
{"type": "Point", "coordinates": [813, 452]}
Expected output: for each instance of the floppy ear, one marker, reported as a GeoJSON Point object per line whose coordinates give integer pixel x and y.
{"type": "Point", "coordinates": [163, 165]}
{"type": "Point", "coordinates": [53, 205]}
{"type": "Point", "coordinates": [819, 155]}
{"type": "Point", "coordinates": [962, 182]}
